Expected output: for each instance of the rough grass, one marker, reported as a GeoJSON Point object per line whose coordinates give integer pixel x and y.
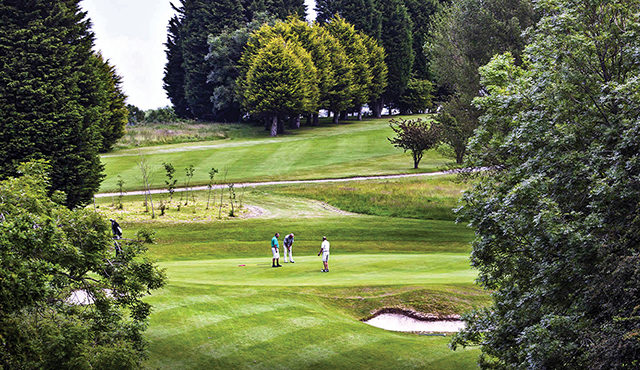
{"type": "Point", "coordinates": [151, 134]}
{"type": "Point", "coordinates": [423, 198]}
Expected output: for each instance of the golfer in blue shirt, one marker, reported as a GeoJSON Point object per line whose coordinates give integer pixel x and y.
{"type": "Point", "coordinates": [275, 251]}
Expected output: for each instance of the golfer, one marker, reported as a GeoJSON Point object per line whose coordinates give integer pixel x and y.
{"type": "Point", "coordinates": [324, 250]}
{"type": "Point", "coordinates": [275, 251]}
{"type": "Point", "coordinates": [288, 243]}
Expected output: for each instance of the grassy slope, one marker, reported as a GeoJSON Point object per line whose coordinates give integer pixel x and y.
{"type": "Point", "coordinates": [215, 313]}
{"type": "Point", "coordinates": [318, 152]}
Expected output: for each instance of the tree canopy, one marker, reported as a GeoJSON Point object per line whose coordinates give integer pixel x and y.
{"type": "Point", "coordinates": [556, 217]}
{"type": "Point", "coordinates": [48, 252]}
{"type": "Point", "coordinates": [58, 100]}
{"type": "Point", "coordinates": [188, 81]}
{"type": "Point", "coordinates": [465, 35]}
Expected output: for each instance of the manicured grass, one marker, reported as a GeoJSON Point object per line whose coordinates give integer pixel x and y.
{"type": "Point", "coordinates": [226, 307]}
{"type": "Point", "coordinates": [424, 198]}
{"type": "Point", "coordinates": [216, 314]}
{"type": "Point", "coordinates": [317, 152]}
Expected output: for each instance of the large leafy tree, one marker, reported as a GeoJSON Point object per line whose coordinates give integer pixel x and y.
{"type": "Point", "coordinates": [278, 81]}
{"type": "Point", "coordinates": [353, 43]}
{"type": "Point", "coordinates": [556, 217]}
{"type": "Point", "coordinates": [48, 252]}
{"type": "Point", "coordinates": [379, 72]}
{"type": "Point", "coordinates": [225, 51]}
{"type": "Point", "coordinates": [52, 95]}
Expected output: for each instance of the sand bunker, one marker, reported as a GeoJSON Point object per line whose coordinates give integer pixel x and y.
{"type": "Point", "coordinates": [82, 297]}
{"type": "Point", "coordinates": [400, 322]}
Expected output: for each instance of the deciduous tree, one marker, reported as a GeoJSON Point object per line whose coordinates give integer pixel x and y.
{"type": "Point", "coordinates": [415, 135]}
{"type": "Point", "coordinates": [48, 252]}
{"type": "Point", "coordinates": [277, 82]}
{"type": "Point", "coordinates": [556, 217]}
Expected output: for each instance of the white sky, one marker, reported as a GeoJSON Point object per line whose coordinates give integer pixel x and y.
{"type": "Point", "coordinates": [131, 34]}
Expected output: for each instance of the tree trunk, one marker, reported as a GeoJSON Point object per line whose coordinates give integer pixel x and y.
{"type": "Point", "coordinates": [280, 129]}
{"type": "Point", "coordinates": [335, 117]}
{"type": "Point", "coordinates": [315, 119]}
{"type": "Point", "coordinates": [360, 113]}
{"type": "Point", "coordinates": [309, 119]}
{"type": "Point", "coordinates": [274, 125]}
{"type": "Point", "coordinates": [377, 108]}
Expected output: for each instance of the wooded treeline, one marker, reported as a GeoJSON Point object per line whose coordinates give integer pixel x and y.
{"type": "Point", "coordinates": [200, 79]}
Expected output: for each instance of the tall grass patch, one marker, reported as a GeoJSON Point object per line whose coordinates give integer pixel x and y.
{"type": "Point", "coordinates": [423, 198]}
{"type": "Point", "coordinates": [151, 134]}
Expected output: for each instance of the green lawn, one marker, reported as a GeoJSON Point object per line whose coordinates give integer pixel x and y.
{"type": "Point", "coordinates": [327, 151]}
{"type": "Point", "coordinates": [393, 244]}
{"type": "Point", "coordinates": [215, 313]}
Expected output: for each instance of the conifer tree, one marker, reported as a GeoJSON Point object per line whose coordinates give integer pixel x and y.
{"type": "Point", "coordinates": [362, 14]}
{"type": "Point", "coordinates": [202, 18]}
{"type": "Point", "coordinates": [50, 96]}
{"type": "Point", "coordinates": [421, 13]}
{"type": "Point", "coordinates": [397, 42]}
{"type": "Point", "coordinates": [112, 114]}
{"type": "Point", "coordinates": [173, 70]}
{"type": "Point", "coordinates": [281, 9]}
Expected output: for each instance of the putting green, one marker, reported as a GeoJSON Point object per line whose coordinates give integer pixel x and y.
{"type": "Point", "coordinates": [345, 270]}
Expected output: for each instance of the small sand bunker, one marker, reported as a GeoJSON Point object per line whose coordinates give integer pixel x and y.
{"type": "Point", "coordinates": [398, 322]}
{"type": "Point", "coordinates": [82, 297]}
{"type": "Point", "coordinates": [415, 322]}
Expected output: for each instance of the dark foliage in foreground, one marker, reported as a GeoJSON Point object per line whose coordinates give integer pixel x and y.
{"type": "Point", "coordinates": [557, 218]}
{"type": "Point", "coordinates": [47, 252]}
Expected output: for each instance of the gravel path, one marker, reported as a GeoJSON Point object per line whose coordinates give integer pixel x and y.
{"type": "Point", "coordinates": [288, 182]}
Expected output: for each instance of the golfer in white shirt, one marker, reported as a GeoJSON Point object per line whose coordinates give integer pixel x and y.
{"type": "Point", "coordinates": [324, 250]}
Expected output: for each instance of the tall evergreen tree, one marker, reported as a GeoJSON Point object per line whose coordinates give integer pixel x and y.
{"type": "Point", "coordinates": [397, 41]}
{"type": "Point", "coordinates": [111, 112]}
{"type": "Point", "coordinates": [281, 9]}
{"type": "Point", "coordinates": [421, 13]}
{"type": "Point", "coordinates": [173, 69]}
{"type": "Point", "coordinates": [48, 105]}
{"type": "Point", "coordinates": [362, 14]}
{"type": "Point", "coordinates": [201, 19]}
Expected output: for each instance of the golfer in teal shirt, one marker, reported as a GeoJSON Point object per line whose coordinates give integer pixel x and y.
{"type": "Point", "coordinates": [275, 251]}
